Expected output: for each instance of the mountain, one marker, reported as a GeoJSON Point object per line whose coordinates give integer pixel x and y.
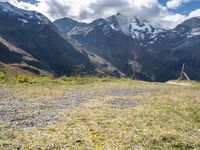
{"type": "Point", "coordinates": [67, 24]}
{"type": "Point", "coordinates": [121, 41]}
{"type": "Point", "coordinates": [141, 49]}
{"type": "Point", "coordinates": [29, 1]}
{"type": "Point", "coordinates": [107, 43]}
{"type": "Point", "coordinates": [31, 41]}
{"type": "Point", "coordinates": [182, 45]}
{"type": "Point", "coordinates": [134, 27]}
{"type": "Point", "coordinates": [34, 34]}
{"type": "Point", "coordinates": [116, 46]}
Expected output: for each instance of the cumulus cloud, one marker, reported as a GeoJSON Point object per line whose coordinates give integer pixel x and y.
{"type": "Point", "coordinates": [88, 10]}
{"type": "Point", "coordinates": [173, 4]}
{"type": "Point", "coordinates": [194, 13]}
{"type": "Point", "coordinates": [171, 20]}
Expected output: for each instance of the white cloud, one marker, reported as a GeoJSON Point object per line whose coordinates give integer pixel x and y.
{"type": "Point", "coordinates": [195, 13]}
{"type": "Point", "coordinates": [173, 4]}
{"type": "Point", "coordinates": [172, 20]}
{"type": "Point", "coordinates": [88, 10]}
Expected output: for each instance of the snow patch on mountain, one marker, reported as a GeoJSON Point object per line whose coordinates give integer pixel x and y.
{"type": "Point", "coordinates": [23, 20]}
{"type": "Point", "coordinates": [8, 8]}
{"type": "Point", "coordinates": [24, 15]}
{"type": "Point", "coordinates": [195, 31]}
{"type": "Point", "coordinates": [134, 27]}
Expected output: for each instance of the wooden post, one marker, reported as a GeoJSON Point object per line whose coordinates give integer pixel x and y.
{"type": "Point", "coordinates": [133, 76]}
{"type": "Point", "coordinates": [183, 74]}
{"type": "Point", "coordinates": [186, 76]}
{"type": "Point", "coordinates": [182, 70]}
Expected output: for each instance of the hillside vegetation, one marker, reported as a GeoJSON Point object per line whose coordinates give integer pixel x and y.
{"type": "Point", "coordinates": [97, 113]}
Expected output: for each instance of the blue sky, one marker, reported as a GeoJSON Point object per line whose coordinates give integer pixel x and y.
{"type": "Point", "coordinates": [185, 9]}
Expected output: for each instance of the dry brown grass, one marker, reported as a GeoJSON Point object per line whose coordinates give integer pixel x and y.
{"type": "Point", "coordinates": [167, 117]}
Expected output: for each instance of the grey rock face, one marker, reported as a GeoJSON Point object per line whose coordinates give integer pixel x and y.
{"type": "Point", "coordinates": [67, 24]}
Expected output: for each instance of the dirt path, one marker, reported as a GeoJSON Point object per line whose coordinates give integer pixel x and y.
{"type": "Point", "coordinates": [178, 83]}
{"type": "Point", "coordinates": [30, 112]}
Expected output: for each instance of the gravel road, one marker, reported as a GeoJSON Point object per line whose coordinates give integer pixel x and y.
{"type": "Point", "coordinates": [30, 112]}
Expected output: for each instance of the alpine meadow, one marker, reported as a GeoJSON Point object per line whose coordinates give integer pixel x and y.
{"type": "Point", "coordinates": [98, 74]}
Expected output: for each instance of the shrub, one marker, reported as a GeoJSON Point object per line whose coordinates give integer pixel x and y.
{"type": "Point", "coordinates": [34, 80]}
{"type": "Point", "coordinates": [2, 75]}
{"type": "Point", "coordinates": [24, 79]}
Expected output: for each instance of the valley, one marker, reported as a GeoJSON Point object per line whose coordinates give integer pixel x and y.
{"type": "Point", "coordinates": [112, 83]}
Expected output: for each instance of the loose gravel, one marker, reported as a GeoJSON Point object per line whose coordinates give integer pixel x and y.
{"type": "Point", "coordinates": [121, 103]}
{"type": "Point", "coordinates": [30, 112]}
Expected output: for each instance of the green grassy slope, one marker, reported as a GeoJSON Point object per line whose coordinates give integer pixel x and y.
{"type": "Point", "coordinates": [165, 116]}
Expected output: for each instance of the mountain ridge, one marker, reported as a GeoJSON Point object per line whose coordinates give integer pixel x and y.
{"type": "Point", "coordinates": [34, 34]}
{"type": "Point", "coordinates": [158, 52]}
{"type": "Point", "coordinates": [115, 46]}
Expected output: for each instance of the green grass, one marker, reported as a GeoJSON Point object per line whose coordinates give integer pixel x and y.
{"type": "Point", "coordinates": [166, 118]}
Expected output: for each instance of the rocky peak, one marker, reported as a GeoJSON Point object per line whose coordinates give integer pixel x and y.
{"type": "Point", "coordinates": [191, 23]}
{"type": "Point", "coordinates": [133, 26]}
{"type": "Point", "coordinates": [190, 27]}
{"type": "Point", "coordinates": [22, 15]}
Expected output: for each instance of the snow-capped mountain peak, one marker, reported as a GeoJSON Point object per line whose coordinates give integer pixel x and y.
{"type": "Point", "coordinates": [7, 7]}
{"type": "Point", "coordinates": [132, 26]}
{"type": "Point", "coordinates": [24, 16]}
{"type": "Point", "coordinates": [190, 27]}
